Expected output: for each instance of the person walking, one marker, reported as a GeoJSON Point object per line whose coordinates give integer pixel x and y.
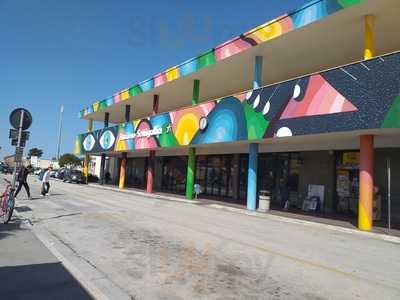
{"type": "Point", "coordinates": [45, 182]}
{"type": "Point", "coordinates": [23, 181]}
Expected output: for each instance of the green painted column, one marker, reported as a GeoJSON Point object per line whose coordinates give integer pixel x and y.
{"type": "Point", "coordinates": [191, 171]}
{"type": "Point", "coordinates": [191, 168]}
{"type": "Point", "coordinates": [196, 92]}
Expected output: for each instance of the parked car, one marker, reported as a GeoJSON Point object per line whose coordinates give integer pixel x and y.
{"type": "Point", "coordinates": [73, 176]}
{"type": "Point", "coordinates": [60, 173]}
{"type": "Point", "coordinates": [53, 173]}
{"type": "Point", "coordinates": [4, 169]}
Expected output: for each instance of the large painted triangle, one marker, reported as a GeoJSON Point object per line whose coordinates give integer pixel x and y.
{"type": "Point", "coordinates": [316, 98]}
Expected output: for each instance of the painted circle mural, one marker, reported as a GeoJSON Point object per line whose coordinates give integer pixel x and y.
{"type": "Point", "coordinates": [107, 140]}
{"type": "Point", "coordinates": [203, 123]}
{"type": "Point", "coordinates": [88, 142]}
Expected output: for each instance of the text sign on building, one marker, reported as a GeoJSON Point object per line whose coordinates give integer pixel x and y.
{"type": "Point", "coordinates": [145, 133]}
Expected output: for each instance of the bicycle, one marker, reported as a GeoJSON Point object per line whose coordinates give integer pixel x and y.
{"type": "Point", "coordinates": [7, 202]}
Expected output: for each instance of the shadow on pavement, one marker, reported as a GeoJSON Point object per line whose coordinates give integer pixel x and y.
{"type": "Point", "coordinates": [22, 208]}
{"type": "Point", "coordinates": [6, 229]}
{"type": "Point", "coordinates": [40, 281]}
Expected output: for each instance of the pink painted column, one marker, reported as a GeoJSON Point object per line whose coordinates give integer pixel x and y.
{"type": "Point", "coordinates": [152, 154]}
{"type": "Point", "coordinates": [365, 201]}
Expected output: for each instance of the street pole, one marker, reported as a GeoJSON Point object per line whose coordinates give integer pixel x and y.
{"type": "Point", "coordinates": [389, 174]}
{"type": "Point", "coordinates": [59, 132]}
{"type": "Point", "coordinates": [21, 122]}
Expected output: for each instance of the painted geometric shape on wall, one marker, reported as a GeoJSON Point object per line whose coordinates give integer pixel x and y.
{"type": "Point", "coordinates": [226, 123]}
{"type": "Point", "coordinates": [145, 142]}
{"type": "Point", "coordinates": [123, 144]}
{"type": "Point", "coordinates": [392, 118]}
{"type": "Point", "coordinates": [89, 142]}
{"type": "Point", "coordinates": [318, 98]}
{"type": "Point", "coordinates": [107, 140]}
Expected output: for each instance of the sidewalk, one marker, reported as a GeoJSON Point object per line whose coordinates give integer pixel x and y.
{"type": "Point", "coordinates": [285, 216]}
{"type": "Point", "coordinates": [29, 271]}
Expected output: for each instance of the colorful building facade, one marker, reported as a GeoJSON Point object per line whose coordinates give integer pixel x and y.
{"type": "Point", "coordinates": [304, 109]}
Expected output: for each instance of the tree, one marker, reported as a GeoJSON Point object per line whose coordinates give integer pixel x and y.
{"type": "Point", "coordinates": [69, 159]}
{"type": "Point", "coordinates": [35, 152]}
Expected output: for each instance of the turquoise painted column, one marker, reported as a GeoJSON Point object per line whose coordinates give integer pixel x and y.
{"type": "Point", "coordinates": [253, 148]}
{"type": "Point", "coordinates": [252, 177]}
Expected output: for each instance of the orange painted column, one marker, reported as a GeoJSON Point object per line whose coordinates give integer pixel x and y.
{"type": "Point", "coordinates": [366, 196]}
{"type": "Point", "coordinates": [122, 171]}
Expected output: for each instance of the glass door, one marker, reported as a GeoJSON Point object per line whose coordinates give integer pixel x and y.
{"type": "Point", "coordinates": [174, 174]}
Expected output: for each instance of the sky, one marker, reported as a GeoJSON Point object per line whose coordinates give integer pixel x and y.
{"type": "Point", "coordinates": [78, 51]}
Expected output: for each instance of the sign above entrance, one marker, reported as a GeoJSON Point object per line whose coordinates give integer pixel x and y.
{"type": "Point", "coordinates": [351, 158]}
{"type": "Point", "coordinates": [145, 133]}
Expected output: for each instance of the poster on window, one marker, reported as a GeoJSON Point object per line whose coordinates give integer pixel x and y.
{"type": "Point", "coordinates": [343, 183]}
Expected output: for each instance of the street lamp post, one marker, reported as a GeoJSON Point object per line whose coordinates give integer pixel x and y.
{"type": "Point", "coordinates": [59, 132]}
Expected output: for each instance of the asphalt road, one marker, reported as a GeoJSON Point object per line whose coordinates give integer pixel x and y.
{"type": "Point", "coordinates": [135, 247]}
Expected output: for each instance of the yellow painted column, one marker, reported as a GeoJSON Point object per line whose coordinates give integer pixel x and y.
{"type": "Point", "coordinates": [87, 157]}
{"type": "Point", "coordinates": [369, 36]}
{"type": "Point", "coordinates": [122, 171]}
{"type": "Point", "coordinates": [366, 197]}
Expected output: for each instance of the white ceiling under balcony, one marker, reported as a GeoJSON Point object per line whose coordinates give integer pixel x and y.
{"type": "Point", "coordinates": [335, 40]}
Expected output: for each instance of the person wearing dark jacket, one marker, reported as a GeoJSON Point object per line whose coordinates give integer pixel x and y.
{"type": "Point", "coordinates": [22, 181]}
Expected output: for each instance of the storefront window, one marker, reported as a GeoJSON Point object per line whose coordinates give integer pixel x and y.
{"type": "Point", "coordinates": [347, 181]}
{"type": "Point", "coordinates": [278, 175]}
{"type": "Point", "coordinates": [135, 173]}
{"type": "Point", "coordinates": [243, 166]}
{"type": "Point", "coordinates": [214, 174]}
{"type": "Point", "coordinates": [174, 174]}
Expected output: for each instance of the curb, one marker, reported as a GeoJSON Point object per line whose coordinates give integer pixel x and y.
{"type": "Point", "coordinates": [144, 194]}
{"type": "Point", "coordinates": [378, 236]}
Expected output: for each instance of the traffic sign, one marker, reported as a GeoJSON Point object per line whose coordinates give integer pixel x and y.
{"type": "Point", "coordinates": [14, 142]}
{"type": "Point", "coordinates": [15, 118]}
{"type": "Point", "coordinates": [18, 154]}
{"type": "Point", "coordinates": [14, 135]}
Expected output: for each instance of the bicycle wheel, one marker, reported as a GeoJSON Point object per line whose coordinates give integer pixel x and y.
{"type": "Point", "coordinates": [9, 208]}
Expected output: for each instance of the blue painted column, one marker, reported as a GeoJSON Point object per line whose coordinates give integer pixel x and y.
{"type": "Point", "coordinates": [253, 148]}
{"type": "Point", "coordinates": [252, 177]}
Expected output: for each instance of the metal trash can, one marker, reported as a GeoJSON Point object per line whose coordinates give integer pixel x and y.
{"type": "Point", "coordinates": [264, 199]}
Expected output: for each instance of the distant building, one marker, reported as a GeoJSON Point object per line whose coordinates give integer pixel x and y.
{"type": "Point", "coordinates": [36, 162]}
{"type": "Point", "coordinates": [10, 160]}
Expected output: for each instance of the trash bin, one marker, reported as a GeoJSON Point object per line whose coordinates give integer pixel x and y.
{"type": "Point", "coordinates": [264, 199]}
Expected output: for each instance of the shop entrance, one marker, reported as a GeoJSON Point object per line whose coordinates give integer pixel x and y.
{"type": "Point", "coordinates": [173, 179]}
{"type": "Point", "coordinates": [278, 175]}
{"type": "Point", "coordinates": [136, 172]}
{"type": "Point", "coordinates": [214, 174]}
{"type": "Point", "coordinates": [347, 182]}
